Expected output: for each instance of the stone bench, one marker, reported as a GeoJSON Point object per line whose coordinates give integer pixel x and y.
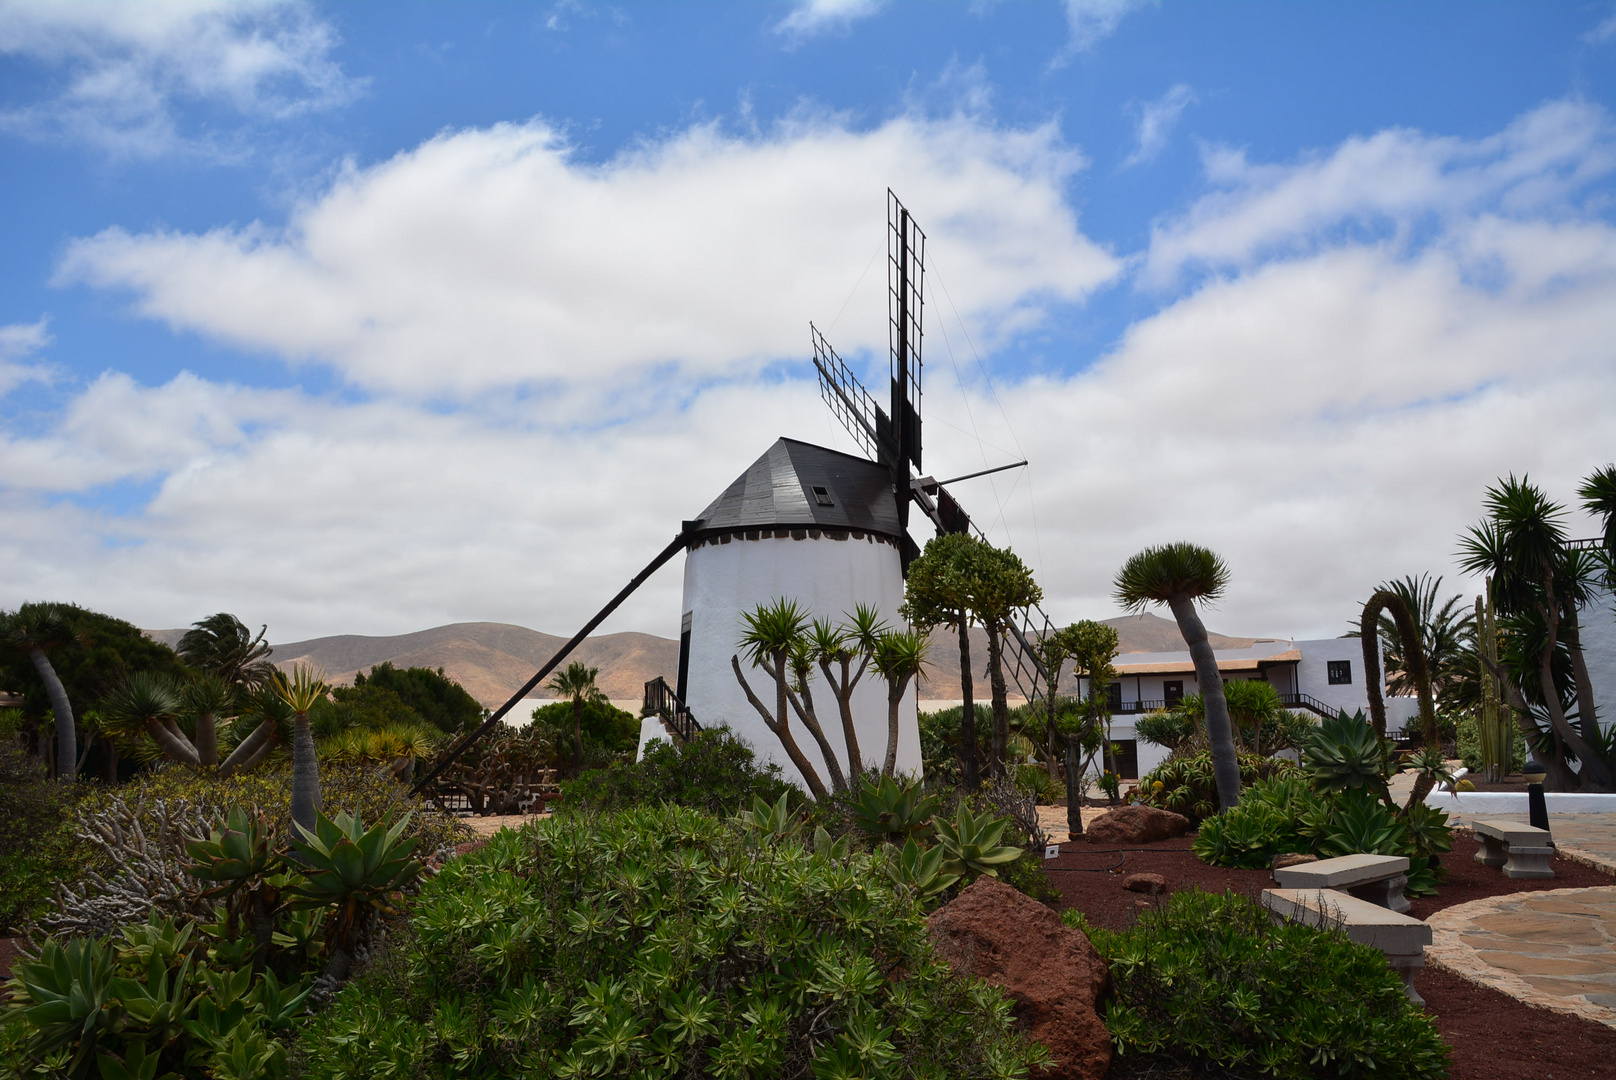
{"type": "Point", "coordinates": [1523, 851]}
{"type": "Point", "coordinates": [1378, 879]}
{"type": "Point", "coordinates": [1402, 939]}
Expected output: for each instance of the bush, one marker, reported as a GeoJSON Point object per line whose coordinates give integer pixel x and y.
{"type": "Point", "coordinates": [37, 848]}
{"type": "Point", "coordinates": [1186, 786]}
{"type": "Point", "coordinates": [663, 942]}
{"type": "Point", "coordinates": [1469, 739]}
{"type": "Point", "coordinates": [1213, 980]}
{"type": "Point", "coordinates": [1289, 814]}
{"type": "Point", "coordinates": [714, 772]}
{"type": "Point", "coordinates": [942, 741]}
{"type": "Point", "coordinates": [127, 852]}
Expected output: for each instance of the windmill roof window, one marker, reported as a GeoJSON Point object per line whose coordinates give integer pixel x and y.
{"type": "Point", "coordinates": [798, 484]}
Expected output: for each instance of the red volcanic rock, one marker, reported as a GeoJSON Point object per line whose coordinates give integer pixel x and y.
{"type": "Point", "coordinates": [1051, 972]}
{"type": "Point", "coordinates": [1154, 884]}
{"type": "Point", "coordinates": [1136, 824]}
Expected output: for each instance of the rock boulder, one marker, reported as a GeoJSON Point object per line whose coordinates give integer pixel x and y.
{"type": "Point", "coordinates": [1154, 884]}
{"type": "Point", "coordinates": [1136, 824]}
{"type": "Point", "coordinates": [1051, 972]}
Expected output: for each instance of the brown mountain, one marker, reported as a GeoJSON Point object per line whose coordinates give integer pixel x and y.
{"type": "Point", "coordinates": [492, 659]}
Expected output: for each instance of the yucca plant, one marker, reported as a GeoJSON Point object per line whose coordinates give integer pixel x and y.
{"type": "Point", "coordinates": [300, 692]}
{"type": "Point", "coordinates": [1345, 754]}
{"type": "Point", "coordinates": [972, 843]}
{"type": "Point", "coordinates": [891, 810]}
{"type": "Point", "coordinates": [353, 871]}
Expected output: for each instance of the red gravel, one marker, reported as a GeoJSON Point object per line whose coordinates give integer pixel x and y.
{"type": "Point", "coordinates": [1493, 1036]}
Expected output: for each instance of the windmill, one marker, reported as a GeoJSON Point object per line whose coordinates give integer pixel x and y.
{"type": "Point", "coordinates": [814, 524]}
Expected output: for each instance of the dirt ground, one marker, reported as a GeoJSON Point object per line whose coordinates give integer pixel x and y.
{"type": "Point", "coordinates": [1493, 1036]}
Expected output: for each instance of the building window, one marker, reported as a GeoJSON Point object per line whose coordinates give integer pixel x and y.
{"type": "Point", "coordinates": [1340, 672]}
{"type": "Point", "coordinates": [822, 496]}
{"type": "Point", "coordinates": [1172, 692]}
{"type": "Point", "coordinates": [1113, 697]}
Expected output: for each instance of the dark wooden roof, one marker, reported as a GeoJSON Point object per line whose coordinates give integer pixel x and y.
{"type": "Point", "coordinates": [778, 490]}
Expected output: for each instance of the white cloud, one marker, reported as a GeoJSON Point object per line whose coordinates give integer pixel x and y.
{"type": "Point", "coordinates": [17, 342]}
{"type": "Point", "coordinates": [494, 258]}
{"type": "Point", "coordinates": [127, 69]}
{"type": "Point", "coordinates": [1156, 122]}
{"type": "Point", "coordinates": [1088, 22]}
{"type": "Point", "coordinates": [1602, 33]}
{"type": "Point", "coordinates": [1326, 418]}
{"type": "Point", "coordinates": [1388, 180]}
{"type": "Point", "coordinates": [809, 18]}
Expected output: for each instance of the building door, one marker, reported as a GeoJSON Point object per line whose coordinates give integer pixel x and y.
{"type": "Point", "coordinates": [1172, 692]}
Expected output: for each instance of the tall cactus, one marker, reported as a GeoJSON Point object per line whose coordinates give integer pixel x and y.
{"type": "Point", "coordinates": [1496, 739]}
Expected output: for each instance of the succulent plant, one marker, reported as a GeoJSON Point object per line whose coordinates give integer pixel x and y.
{"type": "Point", "coordinates": [971, 843]}
{"type": "Point", "coordinates": [890, 810]}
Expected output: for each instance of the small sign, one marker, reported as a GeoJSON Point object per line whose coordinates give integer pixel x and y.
{"type": "Point", "coordinates": [1051, 851]}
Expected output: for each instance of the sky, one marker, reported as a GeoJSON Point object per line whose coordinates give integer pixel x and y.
{"type": "Point", "coordinates": [365, 317]}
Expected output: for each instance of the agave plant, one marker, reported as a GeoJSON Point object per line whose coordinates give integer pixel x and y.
{"type": "Point", "coordinates": [775, 822]}
{"type": "Point", "coordinates": [891, 810]}
{"type": "Point", "coordinates": [1362, 825]}
{"type": "Point", "coordinates": [239, 859]}
{"type": "Point", "coordinates": [925, 870]}
{"type": "Point", "coordinates": [971, 843]}
{"type": "Point", "coordinates": [351, 870]}
{"type": "Point", "coordinates": [67, 997]}
{"type": "Point", "coordinates": [1345, 754]}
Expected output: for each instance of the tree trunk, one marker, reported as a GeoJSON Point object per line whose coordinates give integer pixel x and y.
{"type": "Point", "coordinates": [207, 740]}
{"type": "Point", "coordinates": [176, 747]}
{"type": "Point", "coordinates": [305, 774]}
{"type": "Point", "coordinates": [781, 729]}
{"type": "Point", "coordinates": [1560, 776]}
{"type": "Point", "coordinates": [577, 735]}
{"type": "Point", "coordinates": [1074, 790]}
{"type": "Point", "coordinates": [251, 750]}
{"type": "Point", "coordinates": [67, 742]}
{"type": "Point", "coordinates": [1219, 733]}
{"type": "Point", "coordinates": [894, 699]}
{"type": "Point", "coordinates": [968, 762]}
{"type": "Point", "coordinates": [1594, 774]}
{"type": "Point", "coordinates": [1001, 707]}
{"type": "Point", "coordinates": [844, 705]}
{"type": "Point", "coordinates": [1587, 710]}
{"type": "Point", "coordinates": [804, 707]}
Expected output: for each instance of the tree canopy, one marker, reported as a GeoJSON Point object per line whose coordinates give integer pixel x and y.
{"type": "Point", "coordinates": [102, 653]}
{"type": "Point", "coordinates": [434, 697]}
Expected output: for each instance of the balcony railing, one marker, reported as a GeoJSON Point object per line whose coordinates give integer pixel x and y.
{"type": "Point", "coordinates": [1287, 699]}
{"type": "Point", "coordinates": [663, 703]}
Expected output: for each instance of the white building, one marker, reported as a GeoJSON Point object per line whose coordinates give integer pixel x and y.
{"type": "Point", "coordinates": [811, 525]}
{"type": "Point", "coordinates": [1322, 677]}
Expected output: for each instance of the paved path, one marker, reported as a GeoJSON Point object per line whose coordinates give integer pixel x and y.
{"type": "Point", "coordinates": [1554, 949]}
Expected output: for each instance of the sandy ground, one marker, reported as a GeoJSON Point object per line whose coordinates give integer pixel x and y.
{"type": "Point", "coordinates": [488, 826]}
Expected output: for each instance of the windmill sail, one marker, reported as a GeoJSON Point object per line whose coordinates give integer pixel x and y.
{"type": "Point", "coordinates": [892, 436]}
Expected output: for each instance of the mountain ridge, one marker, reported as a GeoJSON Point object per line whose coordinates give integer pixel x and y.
{"type": "Point", "coordinates": [491, 660]}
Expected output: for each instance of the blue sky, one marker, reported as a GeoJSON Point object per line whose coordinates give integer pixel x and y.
{"type": "Point", "coordinates": [365, 317]}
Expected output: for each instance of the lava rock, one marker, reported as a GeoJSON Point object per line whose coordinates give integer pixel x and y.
{"type": "Point", "coordinates": [1051, 972]}
{"type": "Point", "coordinates": [1154, 884]}
{"type": "Point", "coordinates": [1291, 858]}
{"type": "Point", "coordinates": [1136, 824]}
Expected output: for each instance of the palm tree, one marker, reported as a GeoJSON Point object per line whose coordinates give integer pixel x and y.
{"type": "Point", "coordinates": [1182, 575]}
{"type": "Point", "coordinates": [223, 645]}
{"type": "Point", "coordinates": [35, 629]}
{"type": "Point", "coordinates": [148, 703]}
{"type": "Point", "coordinates": [300, 692]}
{"type": "Point", "coordinates": [1382, 602]}
{"type": "Point", "coordinates": [773, 632]}
{"type": "Point", "coordinates": [1447, 633]}
{"type": "Point", "coordinates": [935, 594]}
{"type": "Point", "coordinates": [1599, 498]}
{"type": "Point", "coordinates": [1539, 583]}
{"type": "Point", "coordinates": [577, 681]}
{"type": "Point", "coordinates": [900, 656]}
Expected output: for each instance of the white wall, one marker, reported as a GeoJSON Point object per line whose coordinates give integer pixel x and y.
{"type": "Point", "coordinates": [1597, 623]}
{"type": "Point", "coordinates": [827, 578]}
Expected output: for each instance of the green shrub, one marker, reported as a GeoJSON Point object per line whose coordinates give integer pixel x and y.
{"type": "Point", "coordinates": [942, 742]}
{"type": "Point", "coordinates": [1185, 785]}
{"type": "Point", "coordinates": [1469, 739]}
{"type": "Point", "coordinates": [1033, 779]}
{"type": "Point", "coordinates": [663, 942]}
{"type": "Point", "coordinates": [714, 772]}
{"type": "Point", "coordinates": [37, 846]}
{"type": "Point", "coordinates": [1213, 980]}
{"type": "Point", "coordinates": [1169, 728]}
{"type": "Point", "coordinates": [1290, 814]}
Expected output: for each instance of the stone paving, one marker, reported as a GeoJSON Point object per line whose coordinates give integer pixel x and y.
{"type": "Point", "coordinates": [1555, 949]}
